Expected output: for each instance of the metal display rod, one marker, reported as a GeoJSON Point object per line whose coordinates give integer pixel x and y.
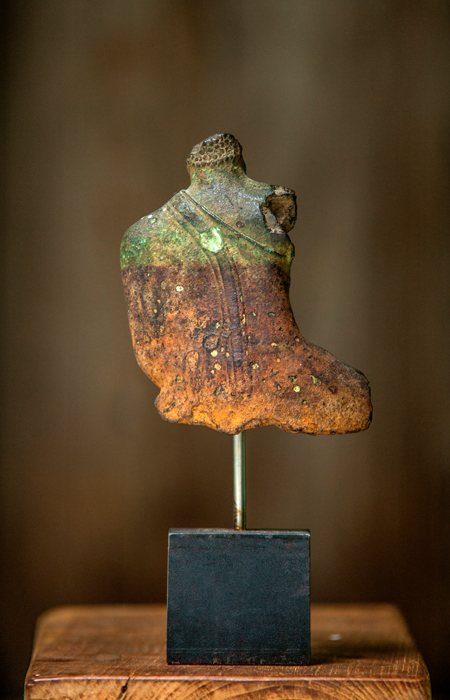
{"type": "Point", "coordinates": [240, 504]}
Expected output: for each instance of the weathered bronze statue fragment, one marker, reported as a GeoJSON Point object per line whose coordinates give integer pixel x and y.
{"type": "Point", "coordinates": [207, 285]}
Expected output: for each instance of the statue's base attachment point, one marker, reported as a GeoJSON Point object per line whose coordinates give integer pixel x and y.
{"type": "Point", "coordinates": [238, 597]}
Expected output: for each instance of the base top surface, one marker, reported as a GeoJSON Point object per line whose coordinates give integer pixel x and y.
{"type": "Point", "coordinates": [358, 651]}
{"type": "Point", "coordinates": [229, 532]}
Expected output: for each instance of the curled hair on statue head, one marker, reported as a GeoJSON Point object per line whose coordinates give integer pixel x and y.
{"type": "Point", "coordinates": [217, 149]}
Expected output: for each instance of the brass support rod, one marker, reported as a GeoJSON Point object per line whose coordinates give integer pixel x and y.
{"type": "Point", "coordinates": [240, 505]}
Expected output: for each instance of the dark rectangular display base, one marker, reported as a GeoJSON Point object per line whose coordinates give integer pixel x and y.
{"type": "Point", "coordinates": [238, 597]}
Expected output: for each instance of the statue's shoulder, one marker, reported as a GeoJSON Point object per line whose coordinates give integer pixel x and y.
{"type": "Point", "coordinates": [153, 236]}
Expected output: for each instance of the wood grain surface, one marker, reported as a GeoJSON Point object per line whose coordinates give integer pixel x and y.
{"type": "Point", "coordinates": [358, 651]}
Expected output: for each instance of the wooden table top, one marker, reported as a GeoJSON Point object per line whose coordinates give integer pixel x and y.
{"type": "Point", "coordinates": [358, 651]}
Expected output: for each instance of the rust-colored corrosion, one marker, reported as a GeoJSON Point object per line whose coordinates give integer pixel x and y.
{"type": "Point", "coordinates": [207, 285]}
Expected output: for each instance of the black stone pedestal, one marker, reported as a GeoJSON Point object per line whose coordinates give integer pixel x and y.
{"type": "Point", "coordinates": [238, 597]}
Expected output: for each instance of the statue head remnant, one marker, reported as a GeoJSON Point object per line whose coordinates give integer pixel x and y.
{"type": "Point", "coordinates": [206, 280]}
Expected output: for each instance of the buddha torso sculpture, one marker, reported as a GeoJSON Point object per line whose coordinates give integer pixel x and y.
{"type": "Point", "coordinates": [207, 285]}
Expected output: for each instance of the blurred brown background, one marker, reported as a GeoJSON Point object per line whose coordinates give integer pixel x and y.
{"type": "Point", "coordinates": [348, 103]}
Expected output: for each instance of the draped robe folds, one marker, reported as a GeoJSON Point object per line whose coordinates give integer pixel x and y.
{"type": "Point", "coordinates": [212, 326]}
